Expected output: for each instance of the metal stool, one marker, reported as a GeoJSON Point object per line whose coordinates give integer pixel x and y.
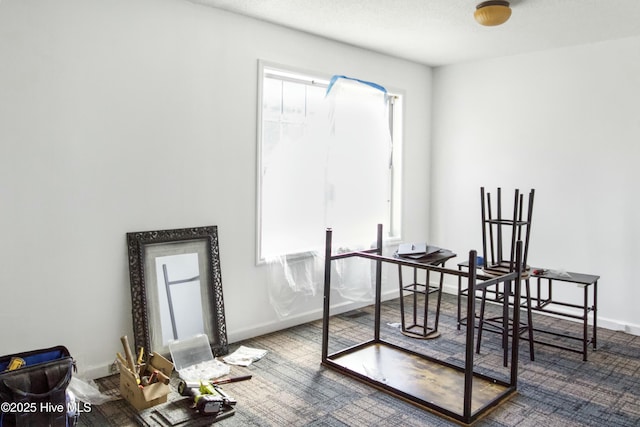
{"type": "Point", "coordinates": [497, 262]}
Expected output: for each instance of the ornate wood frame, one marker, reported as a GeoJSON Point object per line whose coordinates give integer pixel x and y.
{"type": "Point", "coordinates": [139, 244]}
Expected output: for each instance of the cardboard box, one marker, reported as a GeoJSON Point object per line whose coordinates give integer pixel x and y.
{"type": "Point", "coordinates": [150, 395]}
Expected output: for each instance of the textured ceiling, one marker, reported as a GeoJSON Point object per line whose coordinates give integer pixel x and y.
{"type": "Point", "coordinates": [440, 32]}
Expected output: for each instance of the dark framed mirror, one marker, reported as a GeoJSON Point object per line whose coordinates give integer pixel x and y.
{"type": "Point", "coordinates": [176, 288]}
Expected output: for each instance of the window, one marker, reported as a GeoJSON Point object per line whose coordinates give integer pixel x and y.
{"type": "Point", "coordinates": [319, 166]}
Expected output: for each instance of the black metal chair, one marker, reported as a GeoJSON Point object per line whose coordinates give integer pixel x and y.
{"type": "Point", "coordinates": [499, 236]}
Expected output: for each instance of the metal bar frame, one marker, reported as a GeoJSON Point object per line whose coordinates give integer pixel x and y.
{"type": "Point", "coordinates": [466, 417]}
{"type": "Point", "coordinates": [543, 306]}
{"type": "Point", "coordinates": [544, 301]}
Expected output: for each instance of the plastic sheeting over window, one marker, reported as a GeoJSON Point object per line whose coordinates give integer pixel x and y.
{"type": "Point", "coordinates": [345, 185]}
{"type": "Point", "coordinates": [358, 160]}
{"type": "Point", "coordinates": [294, 279]}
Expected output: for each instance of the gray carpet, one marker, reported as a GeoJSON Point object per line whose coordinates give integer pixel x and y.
{"type": "Point", "coordinates": [290, 388]}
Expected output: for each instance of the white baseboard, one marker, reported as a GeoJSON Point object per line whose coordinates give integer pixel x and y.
{"type": "Point", "coordinates": [94, 372]}
{"type": "Point", "coordinates": [299, 319]}
{"type": "Point", "coordinates": [616, 325]}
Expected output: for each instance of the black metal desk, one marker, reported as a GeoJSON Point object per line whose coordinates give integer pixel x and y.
{"type": "Point", "coordinates": [543, 301]}
{"type": "Point", "coordinates": [546, 303]}
{"type": "Point", "coordinates": [452, 390]}
{"type": "Point", "coordinates": [415, 329]}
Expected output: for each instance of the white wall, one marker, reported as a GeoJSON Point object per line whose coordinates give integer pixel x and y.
{"type": "Point", "coordinates": [131, 115]}
{"type": "Point", "coordinates": [565, 122]}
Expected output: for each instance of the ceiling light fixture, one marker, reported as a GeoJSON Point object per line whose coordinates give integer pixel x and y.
{"type": "Point", "coordinates": [492, 13]}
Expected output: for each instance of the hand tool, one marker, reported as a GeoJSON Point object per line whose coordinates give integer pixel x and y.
{"type": "Point", "coordinates": [231, 380]}
{"type": "Point", "coordinates": [208, 399]}
{"type": "Point", "coordinates": [140, 354]}
{"type": "Point", "coordinates": [121, 359]}
{"type": "Point", "coordinates": [127, 352]}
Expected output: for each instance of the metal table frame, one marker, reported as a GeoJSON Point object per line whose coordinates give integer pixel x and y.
{"type": "Point", "coordinates": [474, 394]}
{"type": "Point", "coordinates": [544, 302]}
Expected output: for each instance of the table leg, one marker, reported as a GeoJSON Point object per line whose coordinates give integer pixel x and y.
{"type": "Point", "coordinates": [459, 297]}
{"type": "Point", "coordinates": [404, 329]}
{"type": "Point", "coordinates": [441, 283]}
{"type": "Point", "coordinates": [529, 317]}
{"type": "Point", "coordinates": [585, 332]}
{"type": "Point", "coordinates": [415, 299]}
{"type": "Point", "coordinates": [425, 328]}
{"type": "Point", "coordinates": [595, 313]}
{"type": "Point", "coordinates": [505, 320]}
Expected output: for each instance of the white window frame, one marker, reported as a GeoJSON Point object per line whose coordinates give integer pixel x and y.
{"type": "Point", "coordinates": [393, 230]}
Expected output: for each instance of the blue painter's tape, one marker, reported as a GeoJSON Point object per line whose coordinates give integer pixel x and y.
{"type": "Point", "coordinates": [373, 85]}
